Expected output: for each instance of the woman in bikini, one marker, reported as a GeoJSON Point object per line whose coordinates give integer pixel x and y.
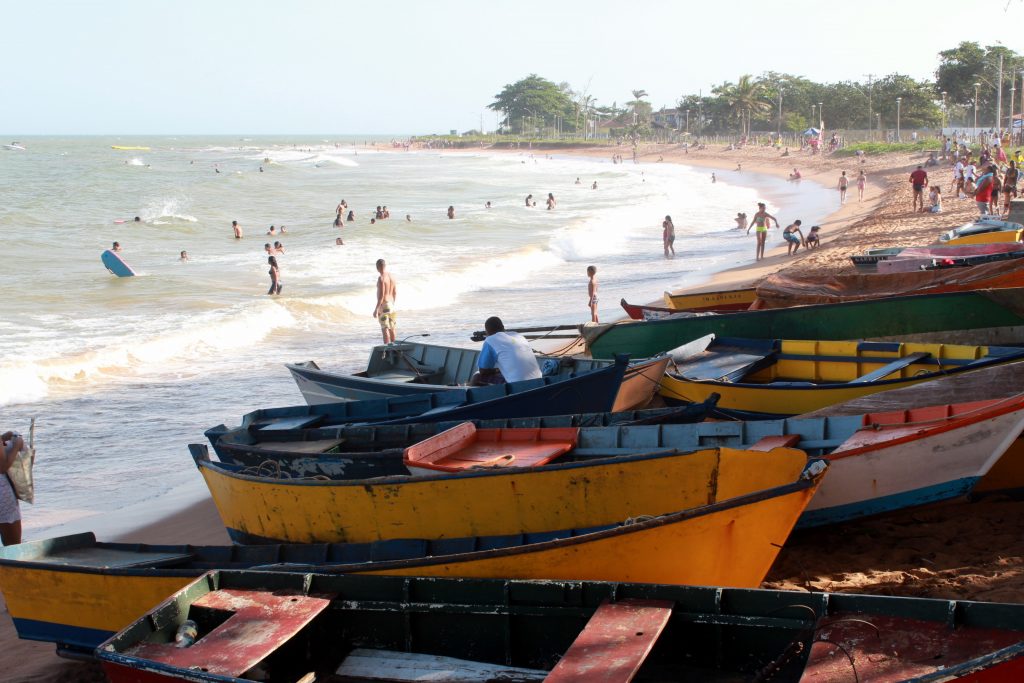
{"type": "Point", "coordinates": [761, 219]}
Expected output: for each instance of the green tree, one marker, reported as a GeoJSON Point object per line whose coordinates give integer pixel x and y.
{"type": "Point", "coordinates": [969, 63]}
{"type": "Point", "coordinates": [744, 100]}
{"type": "Point", "coordinates": [917, 107]}
{"type": "Point", "coordinates": [533, 102]}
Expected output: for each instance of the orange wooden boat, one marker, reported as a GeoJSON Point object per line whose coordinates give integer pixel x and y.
{"type": "Point", "coordinates": [465, 447]}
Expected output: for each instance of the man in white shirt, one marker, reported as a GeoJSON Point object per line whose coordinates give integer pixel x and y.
{"type": "Point", "coordinates": [504, 354]}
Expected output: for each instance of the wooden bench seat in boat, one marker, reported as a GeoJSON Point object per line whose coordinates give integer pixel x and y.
{"type": "Point", "coordinates": [287, 423]}
{"type": "Point", "coordinates": [229, 648]}
{"type": "Point", "coordinates": [613, 645]}
{"type": "Point", "coordinates": [892, 367]}
{"type": "Point", "coordinates": [726, 367]}
{"type": "Point", "coordinates": [112, 558]}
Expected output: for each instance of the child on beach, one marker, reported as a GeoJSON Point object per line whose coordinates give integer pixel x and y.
{"type": "Point", "coordinates": [862, 180]}
{"type": "Point", "coordinates": [935, 199]}
{"type": "Point", "coordinates": [843, 183]}
{"type": "Point", "coordinates": [790, 235]}
{"type": "Point", "coordinates": [668, 236]}
{"type": "Point", "coordinates": [592, 292]}
{"type": "Point", "coordinates": [812, 240]}
{"type": "Point", "coordinates": [275, 276]}
{"type": "Point", "coordinates": [762, 219]}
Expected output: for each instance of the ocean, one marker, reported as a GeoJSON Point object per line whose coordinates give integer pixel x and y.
{"type": "Point", "coordinates": [123, 373]}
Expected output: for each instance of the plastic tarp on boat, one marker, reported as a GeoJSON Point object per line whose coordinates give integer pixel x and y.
{"type": "Point", "coordinates": [783, 290]}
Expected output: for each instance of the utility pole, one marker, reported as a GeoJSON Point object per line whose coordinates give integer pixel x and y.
{"type": "Point", "coordinates": [999, 97]}
{"type": "Point", "coordinates": [870, 88]}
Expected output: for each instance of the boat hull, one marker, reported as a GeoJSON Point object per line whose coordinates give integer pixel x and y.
{"type": "Point", "coordinates": [486, 503]}
{"type": "Point", "coordinates": [976, 317]}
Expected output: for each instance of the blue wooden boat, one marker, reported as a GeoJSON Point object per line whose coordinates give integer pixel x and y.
{"type": "Point", "coordinates": [589, 392]}
{"type": "Point", "coordinates": [347, 628]}
{"type": "Point", "coordinates": [365, 451]}
{"type": "Point", "coordinates": [407, 368]}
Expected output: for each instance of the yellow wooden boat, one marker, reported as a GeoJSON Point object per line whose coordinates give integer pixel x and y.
{"type": "Point", "coordinates": [76, 592]}
{"type": "Point", "coordinates": [995, 237]}
{"type": "Point", "coordinates": [725, 300]}
{"type": "Point", "coordinates": [790, 377]}
{"type": "Point", "coordinates": [576, 494]}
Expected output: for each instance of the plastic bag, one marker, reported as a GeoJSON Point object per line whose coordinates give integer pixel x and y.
{"type": "Point", "coordinates": [20, 472]}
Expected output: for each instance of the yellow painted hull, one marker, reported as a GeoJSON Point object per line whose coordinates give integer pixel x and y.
{"type": "Point", "coordinates": [1008, 472]}
{"type": "Point", "coordinates": [999, 237]}
{"type": "Point", "coordinates": [73, 600]}
{"type": "Point", "coordinates": [731, 547]}
{"type": "Point", "coordinates": [490, 503]}
{"type": "Point", "coordinates": [801, 362]}
{"type": "Point", "coordinates": [727, 298]}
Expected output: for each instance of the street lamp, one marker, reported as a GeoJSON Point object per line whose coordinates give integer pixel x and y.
{"type": "Point", "coordinates": [898, 100]}
{"type": "Point", "coordinates": [944, 117]}
{"type": "Point", "coordinates": [814, 107]}
{"type": "Point", "coordinates": [878, 125]}
{"type": "Point", "coordinates": [780, 114]}
{"type": "Point", "coordinates": [976, 86]}
{"type": "Point", "coordinates": [821, 117]}
{"type": "Point", "coordinates": [687, 121]}
{"type": "Point", "coordinates": [1013, 89]}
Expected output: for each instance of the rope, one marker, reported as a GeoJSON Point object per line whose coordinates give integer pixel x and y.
{"type": "Point", "coordinates": [271, 469]}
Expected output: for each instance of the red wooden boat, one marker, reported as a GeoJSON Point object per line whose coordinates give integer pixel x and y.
{"type": "Point", "coordinates": [465, 447]}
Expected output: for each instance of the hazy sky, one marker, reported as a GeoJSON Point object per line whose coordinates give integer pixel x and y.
{"type": "Point", "coordinates": [317, 66]}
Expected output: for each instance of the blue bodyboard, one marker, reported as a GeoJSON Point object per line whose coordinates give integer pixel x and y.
{"type": "Point", "coordinates": [115, 265]}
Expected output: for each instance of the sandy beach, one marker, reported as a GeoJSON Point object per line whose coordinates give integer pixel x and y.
{"type": "Point", "coordinates": [955, 551]}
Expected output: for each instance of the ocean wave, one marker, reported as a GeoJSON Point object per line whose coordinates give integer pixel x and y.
{"type": "Point", "coordinates": [163, 211]}
{"type": "Point", "coordinates": [201, 336]}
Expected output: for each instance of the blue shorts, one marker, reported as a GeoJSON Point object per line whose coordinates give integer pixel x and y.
{"type": "Point", "coordinates": [790, 237]}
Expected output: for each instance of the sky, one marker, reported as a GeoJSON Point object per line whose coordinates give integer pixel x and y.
{"type": "Point", "coordinates": [113, 67]}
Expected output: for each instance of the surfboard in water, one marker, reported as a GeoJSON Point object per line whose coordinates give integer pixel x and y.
{"type": "Point", "coordinates": [135, 148]}
{"type": "Point", "coordinates": [116, 265]}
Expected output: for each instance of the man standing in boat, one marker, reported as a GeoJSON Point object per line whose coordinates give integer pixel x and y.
{"type": "Point", "coordinates": [387, 290]}
{"type": "Point", "coordinates": [504, 355]}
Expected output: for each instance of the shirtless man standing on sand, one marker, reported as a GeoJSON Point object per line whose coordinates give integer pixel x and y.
{"type": "Point", "coordinates": [761, 219]}
{"type": "Point", "coordinates": [385, 310]}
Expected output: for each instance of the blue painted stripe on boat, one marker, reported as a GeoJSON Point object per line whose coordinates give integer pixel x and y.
{"type": "Point", "coordinates": [71, 637]}
{"type": "Point", "coordinates": [896, 501]}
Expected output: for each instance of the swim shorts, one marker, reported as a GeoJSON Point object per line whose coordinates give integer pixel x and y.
{"type": "Point", "coordinates": [761, 228]}
{"type": "Point", "coordinates": [387, 318]}
{"type": "Point", "coordinates": [790, 237]}
{"type": "Point", "coordinates": [918, 188]}
{"type": "Point", "coordinates": [593, 301]}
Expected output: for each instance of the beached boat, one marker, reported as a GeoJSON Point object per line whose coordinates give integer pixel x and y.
{"type": "Point", "coordinates": [570, 493]}
{"type": "Point", "coordinates": [698, 302]}
{"type": "Point", "coordinates": [404, 369]}
{"type": "Point", "coordinates": [871, 260]}
{"type": "Point", "coordinates": [787, 377]}
{"type": "Point", "coordinates": [323, 628]}
{"type": "Point", "coordinates": [974, 317]}
{"type": "Point", "coordinates": [985, 230]}
{"type": "Point", "coordinates": [75, 592]}
{"type": "Point", "coordinates": [365, 451]}
{"type": "Point", "coordinates": [914, 258]}
{"type": "Point", "coordinates": [590, 392]}
{"type": "Point", "coordinates": [881, 460]}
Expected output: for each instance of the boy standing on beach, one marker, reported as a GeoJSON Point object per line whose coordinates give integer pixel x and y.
{"type": "Point", "coordinates": [384, 312]}
{"type": "Point", "coordinates": [843, 184]}
{"type": "Point", "coordinates": [592, 292]}
{"type": "Point", "coordinates": [761, 219]}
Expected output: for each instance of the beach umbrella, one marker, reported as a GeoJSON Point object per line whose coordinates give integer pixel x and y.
{"type": "Point", "coordinates": [811, 131]}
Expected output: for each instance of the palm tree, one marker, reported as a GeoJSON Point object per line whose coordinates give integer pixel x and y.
{"type": "Point", "coordinates": [744, 99]}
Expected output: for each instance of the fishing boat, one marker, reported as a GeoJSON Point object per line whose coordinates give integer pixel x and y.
{"type": "Point", "coordinates": [973, 317]}
{"type": "Point", "coordinates": [985, 230]}
{"type": "Point", "coordinates": [766, 378]}
{"type": "Point", "coordinates": [590, 392]}
{"type": "Point", "coordinates": [882, 460]}
{"type": "Point", "coordinates": [912, 258]}
{"type": "Point", "coordinates": [408, 368]}
{"type": "Point", "coordinates": [697, 302]}
{"type": "Point", "coordinates": [76, 592]}
{"type": "Point", "coordinates": [569, 493]}
{"type": "Point", "coordinates": [365, 451]}
{"type": "Point", "coordinates": [870, 260]}
{"type": "Point", "coordinates": [317, 627]}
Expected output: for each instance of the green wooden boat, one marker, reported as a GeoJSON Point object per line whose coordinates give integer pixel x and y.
{"type": "Point", "coordinates": [990, 316]}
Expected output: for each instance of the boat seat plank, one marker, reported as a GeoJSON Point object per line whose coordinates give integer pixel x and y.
{"type": "Point", "coordinates": [317, 446]}
{"type": "Point", "coordinates": [287, 423]}
{"type": "Point", "coordinates": [766, 443]}
{"type": "Point", "coordinates": [112, 558]}
{"type": "Point", "coordinates": [892, 367]}
{"type": "Point", "coordinates": [615, 642]}
{"type": "Point", "coordinates": [398, 376]}
{"type": "Point", "coordinates": [230, 649]}
{"type": "Point", "coordinates": [388, 665]}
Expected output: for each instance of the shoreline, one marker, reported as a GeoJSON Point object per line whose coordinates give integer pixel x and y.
{"type": "Point", "coordinates": [881, 220]}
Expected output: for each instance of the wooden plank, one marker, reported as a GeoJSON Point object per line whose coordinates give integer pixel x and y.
{"type": "Point", "coordinates": [892, 367]}
{"type": "Point", "coordinates": [615, 642]}
{"type": "Point", "coordinates": [387, 665]}
{"type": "Point", "coordinates": [766, 443]}
{"type": "Point", "coordinates": [317, 446]}
{"type": "Point", "coordinates": [287, 423]}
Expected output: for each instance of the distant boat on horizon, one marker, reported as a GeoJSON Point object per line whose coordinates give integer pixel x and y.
{"type": "Point", "coordinates": [16, 146]}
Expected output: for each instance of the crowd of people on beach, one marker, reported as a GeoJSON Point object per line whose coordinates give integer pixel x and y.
{"type": "Point", "coordinates": [987, 177]}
